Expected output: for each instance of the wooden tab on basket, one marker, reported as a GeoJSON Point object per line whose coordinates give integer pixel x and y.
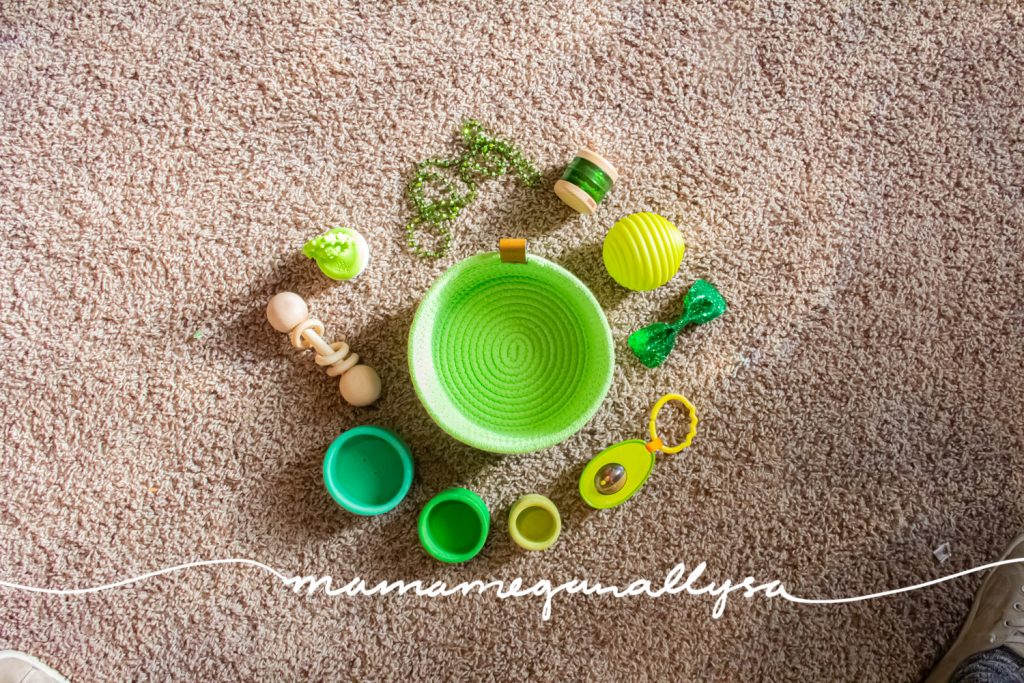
{"type": "Point", "coordinates": [512, 250]}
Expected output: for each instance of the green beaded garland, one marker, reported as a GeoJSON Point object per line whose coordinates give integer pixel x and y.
{"type": "Point", "coordinates": [485, 157]}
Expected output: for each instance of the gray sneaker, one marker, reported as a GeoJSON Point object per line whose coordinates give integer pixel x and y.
{"type": "Point", "coordinates": [18, 667]}
{"type": "Point", "coordinates": [996, 618]}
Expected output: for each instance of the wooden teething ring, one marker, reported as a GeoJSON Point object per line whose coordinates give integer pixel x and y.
{"type": "Point", "coordinates": [359, 384]}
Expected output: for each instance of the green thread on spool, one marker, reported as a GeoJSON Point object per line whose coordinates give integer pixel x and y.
{"type": "Point", "coordinates": [589, 177]}
{"type": "Point", "coordinates": [586, 181]}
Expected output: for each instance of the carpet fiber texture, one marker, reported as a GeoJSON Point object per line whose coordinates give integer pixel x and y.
{"type": "Point", "coordinates": [849, 175]}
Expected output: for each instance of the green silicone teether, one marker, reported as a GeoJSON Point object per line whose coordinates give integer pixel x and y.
{"type": "Point", "coordinates": [652, 344]}
{"type": "Point", "coordinates": [341, 253]}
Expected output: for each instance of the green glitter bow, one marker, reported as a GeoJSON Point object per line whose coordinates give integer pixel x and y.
{"type": "Point", "coordinates": [652, 344]}
{"type": "Point", "coordinates": [485, 157]}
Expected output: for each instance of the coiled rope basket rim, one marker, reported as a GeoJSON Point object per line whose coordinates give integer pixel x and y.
{"type": "Point", "coordinates": [510, 357]}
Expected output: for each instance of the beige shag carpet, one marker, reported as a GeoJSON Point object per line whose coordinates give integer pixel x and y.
{"type": "Point", "coordinates": [850, 175]}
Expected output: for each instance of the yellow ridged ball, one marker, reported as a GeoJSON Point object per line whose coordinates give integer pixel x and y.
{"type": "Point", "coordinates": [643, 251]}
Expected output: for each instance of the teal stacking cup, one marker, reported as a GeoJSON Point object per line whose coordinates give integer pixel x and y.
{"type": "Point", "coordinates": [454, 525]}
{"type": "Point", "coordinates": [368, 470]}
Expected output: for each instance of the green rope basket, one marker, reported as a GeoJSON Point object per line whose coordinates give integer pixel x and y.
{"type": "Point", "coordinates": [510, 357]}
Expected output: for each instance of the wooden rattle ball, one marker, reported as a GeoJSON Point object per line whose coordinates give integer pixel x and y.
{"type": "Point", "coordinates": [360, 386]}
{"type": "Point", "coordinates": [287, 310]}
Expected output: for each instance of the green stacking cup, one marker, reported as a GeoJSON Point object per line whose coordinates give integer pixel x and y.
{"type": "Point", "coordinates": [534, 522]}
{"type": "Point", "coordinates": [368, 470]}
{"type": "Point", "coordinates": [454, 525]}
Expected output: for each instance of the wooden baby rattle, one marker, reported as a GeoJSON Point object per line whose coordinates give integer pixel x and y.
{"type": "Point", "coordinates": [359, 384]}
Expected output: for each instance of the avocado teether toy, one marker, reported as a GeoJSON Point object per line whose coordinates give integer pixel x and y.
{"type": "Point", "coordinates": [702, 304]}
{"type": "Point", "coordinates": [616, 473]}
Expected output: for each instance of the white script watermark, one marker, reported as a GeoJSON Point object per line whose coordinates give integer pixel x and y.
{"type": "Point", "coordinates": [675, 582]}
